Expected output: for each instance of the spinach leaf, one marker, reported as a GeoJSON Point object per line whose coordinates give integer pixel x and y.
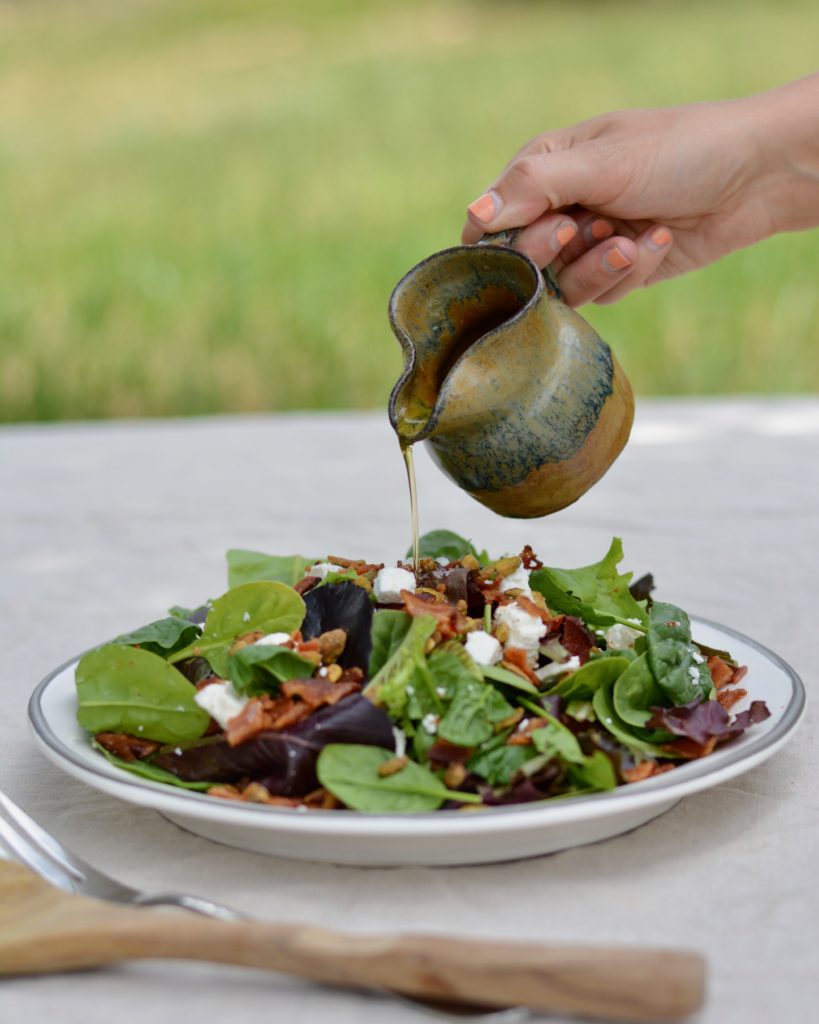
{"type": "Point", "coordinates": [269, 607]}
{"type": "Point", "coordinates": [163, 637]}
{"type": "Point", "coordinates": [350, 773]}
{"type": "Point", "coordinates": [388, 687]}
{"type": "Point", "coordinates": [259, 668]}
{"type": "Point", "coordinates": [603, 705]}
{"type": "Point", "coordinates": [253, 566]}
{"type": "Point", "coordinates": [636, 692]}
{"type": "Point", "coordinates": [125, 689]}
{"type": "Point", "coordinates": [585, 681]}
{"type": "Point", "coordinates": [671, 656]}
{"type": "Point", "coordinates": [500, 764]}
{"type": "Point", "coordinates": [596, 774]}
{"type": "Point", "coordinates": [146, 770]}
{"type": "Point", "coordinates": [445, 544]}
{"type": "Point", "coordinates": [496, 674]}
{"type": "Point", "coordinates": [556, 740]}
{"type": "Point", "coordinates": [475, 709]}
{"type": "Point", "coordinates": [388, 630]}
{"type": "Point", "coordinates": [596, 593]}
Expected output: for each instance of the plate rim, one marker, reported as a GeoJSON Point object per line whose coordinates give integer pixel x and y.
{"type": "Point", "coordinates": [441, 823]}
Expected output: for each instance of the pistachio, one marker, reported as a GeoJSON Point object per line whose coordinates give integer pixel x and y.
{"type": "Point", "coordinates": [331, 645]}
{"type": "Point", "coordinates": [454, 775]}
{"type": "Point", "coordinates": [391, 767]}
{"type": "Point", "coordinates": [470, 562]}
{"type": "Point", "coordinates": [506, 566]}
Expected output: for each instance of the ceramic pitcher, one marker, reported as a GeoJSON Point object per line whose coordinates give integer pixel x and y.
{"type": "Point", "coordinates": [518, 399]}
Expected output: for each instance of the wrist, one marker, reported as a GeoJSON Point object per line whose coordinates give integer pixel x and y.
{"type": "Point", "coordinates": [785, 127]}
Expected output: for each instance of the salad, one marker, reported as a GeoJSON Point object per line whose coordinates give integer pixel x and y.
{"type": "Point", "coordinates": [463, 683]}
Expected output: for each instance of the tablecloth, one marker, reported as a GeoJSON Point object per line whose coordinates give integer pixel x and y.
{"type": "Point", "coordinates": [105, 525]}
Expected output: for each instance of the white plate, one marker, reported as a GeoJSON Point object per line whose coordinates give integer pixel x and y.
{"type": "Point", "coordinates": [442, 837]}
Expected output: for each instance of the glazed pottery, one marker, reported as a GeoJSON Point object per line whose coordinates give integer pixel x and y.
{"type": "Point", "coordinates": [518, 399]}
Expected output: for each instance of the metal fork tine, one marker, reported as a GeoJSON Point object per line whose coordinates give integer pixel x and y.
{"type": "Point", "coordinates": [37, 838]}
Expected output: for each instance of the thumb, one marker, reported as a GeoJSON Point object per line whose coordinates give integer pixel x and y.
{"type": "Point", "coordinates": [533, 184]}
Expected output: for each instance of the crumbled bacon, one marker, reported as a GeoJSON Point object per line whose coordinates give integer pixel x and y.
{"type": "Point", "coordinates": [264, 713]}
{"type": "Point", "coordinates": [306, 583]}
{"type": "Point", "coordinates": [517, 660]}
{"type": "Point", "coordinates": [572, 634]}
{"type": "Point", "coordinates": [315, 692]}
{"type": "Point", "coordinates": [728, 697]}
{"type": "Point", "coordinates": [322, 800]}
{"type": "Point", "coordinates": [207, 681]}
{"type": "Point", "coordinates": [689, 749]}
{"type": "Point", "coordinates": [721, 672]}
{"type": "Point", "coordinates": [529, 559]}
{"type": "Point", "coordinates": [533, 608]}
{"type": "Point", "coordinates": [450, 622]}
{"type": "Point", "coordinates": [444, 752]}
{"type": "Point", "coordinates": [129, 748]}
{"type": "Point", "coordinates": [645, 770]}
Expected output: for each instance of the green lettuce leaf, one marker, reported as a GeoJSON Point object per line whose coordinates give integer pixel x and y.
{"type": "Point", "coordinates": [388, 687]}
{"type": "Point", "coordinates": [163, 637]}
{"type": "Point", "coordinates": [260, 668]}
{"type": "Point", "coordinates": [596, 593]}
{"type": "Point", "coordinates": [252, 566]}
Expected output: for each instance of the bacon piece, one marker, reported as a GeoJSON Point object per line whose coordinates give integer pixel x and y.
{"type": "Point", "coordinates": [444, 752]}
{"type": "Point", "coordinates": [129, 748]}
{"type": "Point", "coordinates": [264, 713]}
{"type": "Point", "coordinates": [530, 559]}
{"type": "Point", "coordinates": [516, 659]}
{"type": "Point", "coordinates": [531, 608]}
{"type": "Point", "coordinates": [645, 770]}
{"type": "Point", "coordinates": [721, 672]}
{"type": "Point", "coordinates": [306, 583]}
{"type": "Point", "coordinates": [315, 692]}
{"type": "Point", "coordinates": [689, 749]}
{"type": "Point", "coordinates": [449, 621]}
{"type": "Point", "coordinates": [728, 697]}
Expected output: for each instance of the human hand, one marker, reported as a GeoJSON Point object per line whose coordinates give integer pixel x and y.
{"type": "Point", "coordinates": [634, 197]}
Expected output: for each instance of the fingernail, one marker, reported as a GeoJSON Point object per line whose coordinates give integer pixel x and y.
{"type": "Point", "coordinates": [487, 207]}
{"type": "Point", "coordinates": [563, 235]}
{"type": "Point", "coordinates": [600, 229]}
{"type": "Point", "coordinates": [658, 239]}
{"type": "Point", "coordinates": [615, 260]}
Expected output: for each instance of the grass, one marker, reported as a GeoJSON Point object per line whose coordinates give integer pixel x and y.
{"type": "Point", "coordinates": [206, 203]}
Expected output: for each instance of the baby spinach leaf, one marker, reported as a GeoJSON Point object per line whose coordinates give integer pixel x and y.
{"type": "Point", "coordinates": [585, 681]}
{"type": "Point", "coordinates": [269, 607]}
{"type": "Point", "coordinates": [259, 668]}
{"type": "Point", "coordinates": [596, 774]}
{"type": "Point", "coordinates": [668, 622]}
{"type": "Point", "coordinates": [125, 689]}
{"type": "Point", "coordinates": [596, 593]}
{"type": "Point", "coordinates": [388, 687]}
{"type": "Point", "coordinates": [146, 770]}
{"type": "Point", "coordinates": [445, 544]}
{"type": "Point", "coordinates": [635, 692]}
{"type": "Point", "coordinates": [556, 740]}
{"type": "Point", "coordinates": [350, 773]}
{"type": "Point", "coordinates": [671, 656]}
{"type": "Point", "coordinates": [388, 630]}
{"type": "Point", "coordinates": [252, 566]}
{"type": "Point", "coordinates": [603, 705]}
{"type": "Point", "coordinates": [500, 764]}
{"type": "Point", "coordinates": [496, 674]}
{"type": "Point", "coordinates": [424, 695]}
{"type": "Point", "coordinates": [163, 637]}
{"type": "Point", "coordinates": [476, 707]}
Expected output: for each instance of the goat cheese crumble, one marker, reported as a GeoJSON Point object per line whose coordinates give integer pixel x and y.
{"type": "Point", "coordinates": [389, 583]}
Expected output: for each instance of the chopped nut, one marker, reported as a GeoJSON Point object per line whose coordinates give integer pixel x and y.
{"type": "Point", "coordinates": [334, 673]}
{"type": "Point", "coordinates": [246, 639]}
{"type": "Point", "coordinates": [470, 562]}
{"type": "Point", "coordinates": [391, 767]}
{"type": "Point", "coordinates": [255, 793]}
{"type": "Point", "coordinates": [436, 594]}
{"type": "Point", "coordinates": [454, 775]}
{"type": "Point", "coordinates": [501, 632]}
{"type": "Point", "coordinates": [506, 566]}
{"type": "Point", "coordinates": [332, 644]}
{"type": "Point", "coordinates": [512, 719]}
{"type": "Point", "coordinates": [225, 792]}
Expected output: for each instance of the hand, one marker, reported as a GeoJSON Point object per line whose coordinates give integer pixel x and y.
{"type": "Point", "coordinates": [634, 197]}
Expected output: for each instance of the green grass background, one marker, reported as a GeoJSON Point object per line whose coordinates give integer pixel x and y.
{"type": "Point", "coordinates": [204, 204]}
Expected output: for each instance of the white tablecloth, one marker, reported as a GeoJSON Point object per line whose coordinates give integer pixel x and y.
{"type": "Point", "coordinates": [103, 526]}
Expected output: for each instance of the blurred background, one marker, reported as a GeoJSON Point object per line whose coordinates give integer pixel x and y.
{"type": "Point", "coordinates": [204, 204]}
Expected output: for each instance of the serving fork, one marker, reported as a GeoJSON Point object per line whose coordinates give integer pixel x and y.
{"type": "Point", "coordinates": [64, 920]}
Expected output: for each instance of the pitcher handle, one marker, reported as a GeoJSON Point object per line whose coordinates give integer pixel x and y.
{"type": "Point", "coordinates": [506, 240]}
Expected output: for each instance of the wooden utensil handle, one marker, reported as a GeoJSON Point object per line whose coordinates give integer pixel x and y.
{"type": "Point", "coordinates": [608, 983]}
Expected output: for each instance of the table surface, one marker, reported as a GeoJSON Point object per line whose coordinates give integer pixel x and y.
{"type": "Point", "coordinates": [103, 526]}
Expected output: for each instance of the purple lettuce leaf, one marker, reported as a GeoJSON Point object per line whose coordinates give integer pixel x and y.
{"type": "Point", "coordinates": [699, 721]}
{"type": "Point", "coordinates": [342, 606]}
{"type": "Point", "coordinates": [284, 761]}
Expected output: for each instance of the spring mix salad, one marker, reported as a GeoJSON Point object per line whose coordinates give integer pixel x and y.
{"type": "Point", "coordinates": [468, 683]}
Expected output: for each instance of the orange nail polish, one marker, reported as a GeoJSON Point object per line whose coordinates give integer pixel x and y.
{"type": "Point", "coordinates": [600, 229]}
{"type": "Point", "coordinates": [486, 207]}
{"type": "Point", "coordinates": [565, 234]}
{"type": "Point", "coordinates": [659, 238]}
{"type": "Point", "coordinates": [616, 260]}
